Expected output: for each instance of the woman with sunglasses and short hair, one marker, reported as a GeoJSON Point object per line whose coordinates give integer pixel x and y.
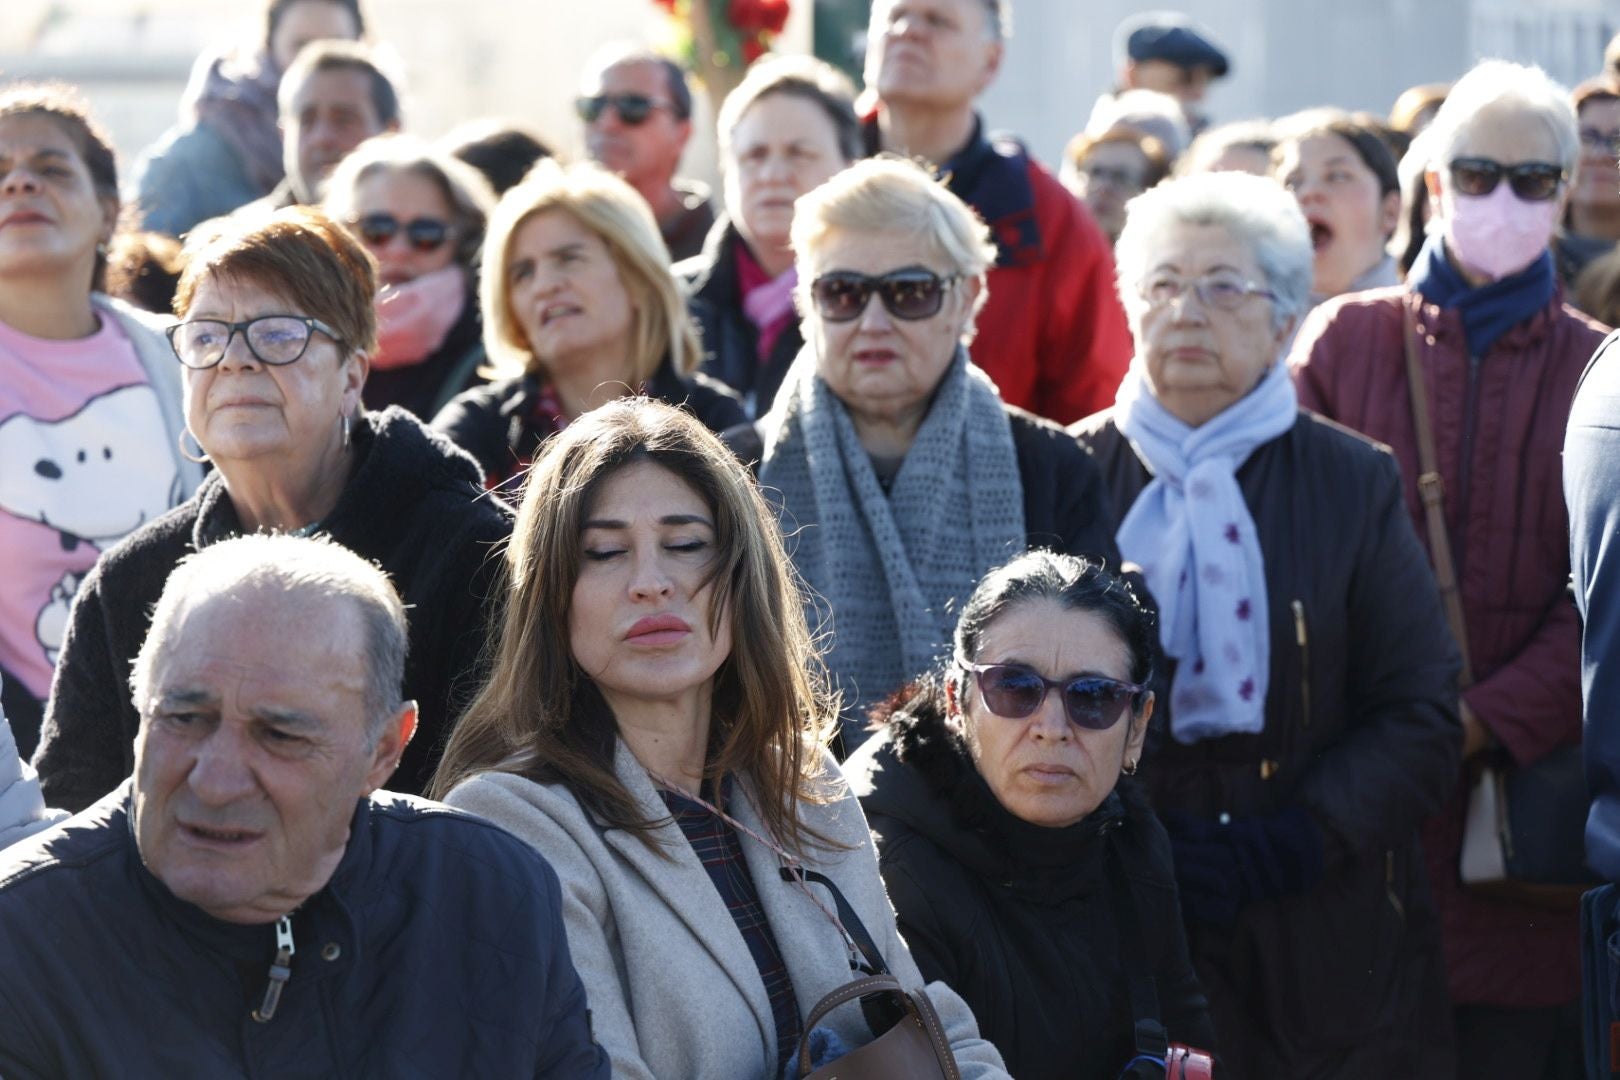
{"type": "Point", "coordinates": [1501, 354]}
{"type": "Point", "coordinates": [580, 308]}
{"type": "Point", "coordinates": [899, 471]}
{"type": "Point", "coordinates": [277, 329]}
{"type": "Point", "coordinates": [1010, 841]}
{"type": "Point", "coordinates": [421, 214]}
{"type": "Point", "coordinates": [1311, 703]}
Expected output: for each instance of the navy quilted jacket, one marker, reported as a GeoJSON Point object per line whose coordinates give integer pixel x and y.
{"type": "Point", "coordinates": [436, 950]}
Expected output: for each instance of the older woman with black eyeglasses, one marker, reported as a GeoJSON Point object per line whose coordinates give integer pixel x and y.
{"type": "Point", "coordinates": [275, 341]}
{"type": "Point", "coordinates": [1483, 320]}
{"type": "Point", "coordinates": [901, 475]}
{"type": "Point", "coordinates": [1310, 701]}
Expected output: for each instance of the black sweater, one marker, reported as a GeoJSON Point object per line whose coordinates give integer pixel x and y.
{"type": "Point", "coordinates": [413, 505]}
{"type": "Point", "coordinates": [1019, 918]}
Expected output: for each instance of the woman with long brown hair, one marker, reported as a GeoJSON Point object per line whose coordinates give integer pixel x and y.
{"type": "Point", "coordinates": [653, 725]}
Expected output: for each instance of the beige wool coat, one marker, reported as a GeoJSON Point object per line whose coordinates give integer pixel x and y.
{"type": "Point", "coordinates": [673, 990]}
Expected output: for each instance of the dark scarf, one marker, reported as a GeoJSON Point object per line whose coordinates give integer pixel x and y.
{"type": "Point", "coordinates": [1488, 311]}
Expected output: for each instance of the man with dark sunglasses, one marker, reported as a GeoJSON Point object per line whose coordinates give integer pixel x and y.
{"type": "Point", "coordinates": [1052, 334]}
{"type": "Point", "coordinates": [637, 112]}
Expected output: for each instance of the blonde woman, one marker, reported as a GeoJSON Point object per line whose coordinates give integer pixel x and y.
{"type": "Point", "coordinates": [579, 308]}
{"type": "Point", "coordinates": [652, 724]}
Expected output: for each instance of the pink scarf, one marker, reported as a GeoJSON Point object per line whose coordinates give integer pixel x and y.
{"type": "Point", "coordinates": [413, 319]}
{"type": "Point", "coordinates": [767, 301]}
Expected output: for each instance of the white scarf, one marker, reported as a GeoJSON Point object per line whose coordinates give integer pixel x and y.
{"type": "Point", "coordinates": [1194, 537]}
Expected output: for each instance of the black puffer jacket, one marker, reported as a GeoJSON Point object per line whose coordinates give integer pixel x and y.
{"type": "Point", "coordinates": [413, 505]}
{"type": "Point", "coordinates": [1020, 919]}
{"type": "Point", "coordinates": [730, 340]}
{"type": "Point", "coordinates": [1361, 732]}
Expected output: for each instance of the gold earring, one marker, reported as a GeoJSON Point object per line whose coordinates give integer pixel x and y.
{"type": "Point", "coordinates": [1129, 769]}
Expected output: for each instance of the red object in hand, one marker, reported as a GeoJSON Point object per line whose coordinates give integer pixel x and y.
{"type": "Point", "coordinates": [756, 16]}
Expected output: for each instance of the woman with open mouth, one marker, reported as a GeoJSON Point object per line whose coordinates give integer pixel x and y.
{"type": "Point", "coordinates": [1347, 186]}
{"type": "Point", "coordinates": [580, 308]}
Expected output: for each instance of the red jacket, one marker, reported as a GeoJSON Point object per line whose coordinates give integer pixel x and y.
{"type": "Point", "coordinates": [1498, 425]}
{"type": "Point", "coordinates": [1052, 334]}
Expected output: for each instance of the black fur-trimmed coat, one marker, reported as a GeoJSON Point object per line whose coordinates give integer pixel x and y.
{"type": "Point", "coordinates": [1017, 918]}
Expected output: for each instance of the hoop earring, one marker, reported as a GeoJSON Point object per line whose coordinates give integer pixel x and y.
{"type": "Point", "coordinates": [180, 441]}
{"type": "Point", "coordinates": [345, 431]}
{"type": "Point", "coordinates": [1129, 768]}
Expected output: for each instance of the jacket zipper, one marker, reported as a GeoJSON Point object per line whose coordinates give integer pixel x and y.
{"type": "Point", "coordinates": [1302, 636]}
{"type": "Point", "coordinates": [1389, 884]}
{"type": "Point", "coordinates": [280, 971]}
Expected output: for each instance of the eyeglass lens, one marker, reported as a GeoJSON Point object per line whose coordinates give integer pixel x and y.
{"type": "Point", "coordinates": [633, 109]}
{"type": "Point", "coordinates": [1014, 692]}
{"type": "Point", "coordinates": [906, 294]}
{"type": "Point", "coordinates": [1532, 181]}
{"type": "Point", "coordinates": [273, 339]}
{"type": "Point", "coordinates": [424, 234]}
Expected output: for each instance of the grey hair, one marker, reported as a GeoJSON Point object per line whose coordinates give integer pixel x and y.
{"type": "Point", "coordinates": [1491, 83]}
{"type": "Point", "coordinates": [285, 566]}
{"type": "Point", "coordinates": [1148, 111]}
{"type": "Point", "coordinates": [1001, 19]}
{"type": "Point", "coordinates": [1255, 209]}
{"type": "Point", "coordinates": [891, 194]}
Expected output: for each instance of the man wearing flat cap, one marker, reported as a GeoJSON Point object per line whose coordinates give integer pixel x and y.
{"type": "Point", "coordinates": [1168, 52]}
{"type": "Point", "coordinates": [249, 903]}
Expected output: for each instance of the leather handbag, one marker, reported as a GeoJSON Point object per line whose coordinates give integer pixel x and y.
{"type": "Point", "coordinates": [910, 1042]}
{"type": "Point", "coordinates": [1523, 838]}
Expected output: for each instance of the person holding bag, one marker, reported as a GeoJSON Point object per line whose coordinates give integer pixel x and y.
{"type": "Point", "coordinates": [653, 724]}
{"type": "Point", "coordinates": [1497, 355]}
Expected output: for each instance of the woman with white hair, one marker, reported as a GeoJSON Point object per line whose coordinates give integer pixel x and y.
{"type": "Point", "coordinates": [899, 471]}
{"type": "Point", "coordinates": [1500, 353]}
{"type": "Point", "coordinates": [1310, 701]}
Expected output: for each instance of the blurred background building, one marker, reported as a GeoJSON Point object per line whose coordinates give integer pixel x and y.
{"type": "Point", "coordinates": [467, 58]}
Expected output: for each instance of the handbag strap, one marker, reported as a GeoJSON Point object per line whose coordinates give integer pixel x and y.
{"type": "Point", "coordinates": [1432, 491]}
{"type": "Point", "coordinates": [846, 915]}
{"type": "Point", "coordinates": [1150, 1040]}
{"type": "Point", "coordinates": [917, 1005]}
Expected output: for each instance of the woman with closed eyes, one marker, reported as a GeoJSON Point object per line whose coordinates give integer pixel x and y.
{"type": "Point", "coordinates": [421, 214]}
{"type": "Point", "coordinates": [580, 308]}
{"type": "Point", "coordinates": [1011, 834]}
{"type": "Point", "coordinates": [654, 724]}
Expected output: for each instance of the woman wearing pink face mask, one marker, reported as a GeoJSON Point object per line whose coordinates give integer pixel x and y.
{"type": "Point", "coordinates": [421, 214]}
{"type": "Point", "coordinates": [1500, 354]}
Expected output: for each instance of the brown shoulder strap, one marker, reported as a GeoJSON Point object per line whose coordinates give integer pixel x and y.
{"type": "Point", "coordinates": [1431, 489]}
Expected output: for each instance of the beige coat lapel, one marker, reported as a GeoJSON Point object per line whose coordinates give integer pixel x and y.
{"type": "Point", "coordinates": [681, 882]}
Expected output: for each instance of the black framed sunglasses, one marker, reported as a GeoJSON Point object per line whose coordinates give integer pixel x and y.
{"type": "Point", "coordinates": [423, 233]}
{"type": "Point", "coordinates": [272, 339]}
{"type": "Point", "coordinates": [1015, 691]}
{"type": "Point", "coordinates": [633, 109]}
{"type": "Point", "coordinates": [1532, 181]}
{"type": "Point", "coordinates": [842, 295]}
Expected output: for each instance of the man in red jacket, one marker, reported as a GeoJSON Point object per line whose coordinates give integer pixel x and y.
{"type": "Point", "coordinates": [1052, 334]}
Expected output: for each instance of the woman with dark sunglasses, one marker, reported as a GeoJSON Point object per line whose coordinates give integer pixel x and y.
{"type": "Point", "coordinates": [1310, 700]}
{"type": "Point", "coordinates": [899, 471]}
{"type": "Point", "coordinates": [580, 308]}
{"type": "Point", "coordinates": [278, 324]}
{"type": "Point", "coordinates": [421, 214]}
{"type": "Point", "coordinates": [1500, 354]}
{"type": "Point", "coordinates": [1024, 863]}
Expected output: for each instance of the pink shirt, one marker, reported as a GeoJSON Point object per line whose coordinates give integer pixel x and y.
{"type": "Point", "coordinates": [84, 460]}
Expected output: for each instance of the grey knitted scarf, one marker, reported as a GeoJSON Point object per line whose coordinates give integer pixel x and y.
{"type": "Point", "coordinates": [892, 570]}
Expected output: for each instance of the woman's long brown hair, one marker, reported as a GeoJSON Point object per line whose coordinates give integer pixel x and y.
{"type": "Point", "coordinates": [541, 717]}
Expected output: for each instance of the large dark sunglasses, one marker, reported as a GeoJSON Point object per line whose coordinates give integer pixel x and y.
{"type": "Point", "coordinates": [272, 339]}
{"type": "Point", "coordinates": [1533, 181]}
{"type": "Point", "coordinates": [1015, 691]}
{"type": "Point", "coordinates": [842, 295]}
{"type": "Point", "coordinates": [633, 109]}
{"type": "Point", "coordinates": [424, 233]}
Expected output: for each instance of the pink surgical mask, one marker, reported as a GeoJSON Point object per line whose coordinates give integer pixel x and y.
{"type": "Point", "coordinates": [1497, 234]}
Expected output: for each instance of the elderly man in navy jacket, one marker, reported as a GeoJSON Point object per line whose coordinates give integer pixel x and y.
{"type": "Point", "coordinates": [249, 902]}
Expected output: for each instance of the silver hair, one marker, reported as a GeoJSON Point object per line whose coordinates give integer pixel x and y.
{"type": "Point", "coordinates": [286, 566]}
{"type": "Point", "coordinates": [1255, 209]}
{"type": "Point", "coordinates": [1494, 83]}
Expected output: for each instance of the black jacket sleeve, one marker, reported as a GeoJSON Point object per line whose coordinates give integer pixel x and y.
{"type": "Point", "coordinates": [1400, 756]}
{"type": "Point", "coordinates": [473, 421]}
{"type": "Point", "coordinates": [1065, 501]}
{"type": "Point", "coordinates": [86, 745]}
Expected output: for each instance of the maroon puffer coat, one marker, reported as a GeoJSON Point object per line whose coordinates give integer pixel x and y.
{"type": "Point", "coordinates": [1498, 424]}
